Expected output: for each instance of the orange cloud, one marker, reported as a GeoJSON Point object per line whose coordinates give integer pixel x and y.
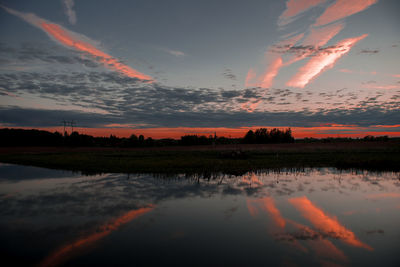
{"type": "Point", "coordinates": [251, 75]}
{"type": "Point", "coordinates": [321, 35]}
{"type": "Point", "coordinates": [322, 62]}
{"type": "Point", "coordinates": [296, 7]}
{"type": "Point", "coordinates": [384, 195]}
{"type": "Point", "coordinates": [387, 126]}
{"type": "Point", "coordinates": [274, 63]}
{"type": "Point", "coordinates": [70, 250]}
{"type": "Point", "coordinates": [78, 42]}
{"type": "Point", "coordinates": [330, 225]}
{"type": "Point", "coordinates": [252, 179]}
{"type": "Point", "coordinates": [265, 80]}
{"type": "Point", "coordinates": [343, 8]}
{"type": "Point", "coordinates": [66, 39]}
{"type": "Point", "coordinates": [250, 106]}
{"type": "Point", "coordinates": [271, 73]}
{"type": "Point", "coordinates": [386, 87]}
{"type": "Point", "coordinates": [316, 38]}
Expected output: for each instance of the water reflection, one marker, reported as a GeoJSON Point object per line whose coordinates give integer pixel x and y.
{"type": "Point", "coordinates": [72, 249]}
{"type": "Point", "coordinates": [327, 224]}
{"type": "Point", "coordinates": [316, 217]}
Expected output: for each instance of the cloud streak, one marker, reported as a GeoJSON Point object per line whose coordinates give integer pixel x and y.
{"type": "Point", "coordinates": [322, 62]}
{"type": "Point", "coordinates": [342, 9]}
{"type": "Point", "coordinates": [309, 43]}
{"type": "Point", "coordinates": [79, 43]}
{"type": "Point", "coordinates": [274, 63]}
{"type": "Point", "coordinates": [295, 8]}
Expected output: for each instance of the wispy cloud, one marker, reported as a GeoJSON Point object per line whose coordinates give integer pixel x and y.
{"type": "Point", "coordinates": [176, 53]}
{"type": "Point", "coordinates": [228, 73]}
{"type": "Point", "coordinates": [69, 11]}
{"type": "Point", "coordinates": [369, 51]}
{"type": "Point", "coordinates": [376, 86]}
{"type": "Point", "coordinates": [79, 43]}
{"type": "Point", "coordinates": [273, 64]}
{"type": "Point", "coordinates": [270, 73]}
{"type": "Point", "coordinates": [310, 43]}
{"type": "Point", "coordinates": [322, 62]}
{"type": "Point", "coordinates": [320, 36]}
{"type": "Point", "coordinates": [296, 7]}
{"type": "Point", "coordinates": [342, 9]}
{"type": "Point", "coordinates": [172, 52]}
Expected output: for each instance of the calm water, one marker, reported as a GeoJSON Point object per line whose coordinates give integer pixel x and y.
{"type": "Point", "coordinates": [313, 218]}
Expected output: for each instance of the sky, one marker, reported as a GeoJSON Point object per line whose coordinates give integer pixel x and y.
{"type": "Point", "coordinates": [170, 68]}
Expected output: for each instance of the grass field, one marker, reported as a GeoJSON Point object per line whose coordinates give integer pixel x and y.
{"type": "Point", "coordinates": [229, 159]}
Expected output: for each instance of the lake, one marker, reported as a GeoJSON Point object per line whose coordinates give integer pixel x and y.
{"type": "Point", "coordinates": [313, 217]}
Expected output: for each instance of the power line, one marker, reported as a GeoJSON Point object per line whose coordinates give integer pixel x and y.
{"type": "Point", "coordinates": [67, 124]}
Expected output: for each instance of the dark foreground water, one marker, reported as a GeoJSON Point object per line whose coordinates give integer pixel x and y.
{"type": "Point", "coordinates": [313, 218]}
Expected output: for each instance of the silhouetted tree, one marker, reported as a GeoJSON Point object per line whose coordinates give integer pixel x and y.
{"type": "Point", "coordinates": [263, 136]}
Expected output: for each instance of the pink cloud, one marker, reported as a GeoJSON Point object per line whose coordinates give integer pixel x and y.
{"type": "Point", "coordinates": [322, 61]}
{"type": "Point", "coordinates": [343, 8]}
{"type": "Point", "coordinates": [251, 75]}
{"type": "Point", "coordinates": [346, 70]}
{"type": "Point", "coordinates": [275, 62]}
{"type": "Point", "coordinates": [375, 86]}
{"type": "Point", "coordinates": [78, 42]}
{"type": "Point", "coordinates": [250, 106]}
{"type": "Point", "coordinates": [296, 7]}
{"type": "Point", "coordinates": [271, 72]}
{"type": "Point", "coordinates": [321, 35]}
{"type": "Point", "coordinates": [317, 37]}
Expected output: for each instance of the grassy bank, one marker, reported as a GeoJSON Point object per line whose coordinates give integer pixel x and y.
{"type": "Point", "coordinates": [225, 159]}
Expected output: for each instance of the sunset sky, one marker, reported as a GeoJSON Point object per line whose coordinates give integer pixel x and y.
{"type": "Point", "coordinates": [169, 68]}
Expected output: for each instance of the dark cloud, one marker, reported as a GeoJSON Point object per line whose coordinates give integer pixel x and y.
{"type": "Point", "coordinates": [38, 52]}
{"type": "Point", "coordinates": [15, 116]}
{"type": "Point", "coordinates": [307, 50]}
{"type": "Point", "coordinates": [122, 99]}
{"type": "Point", "coordinates": [369, 51]}
{"type": "Point", "coordinates": [375, 231]}
{"type": "Point", "coordinates": [369, 82]}
{"type": "Point", "coordinates": [229, 74]}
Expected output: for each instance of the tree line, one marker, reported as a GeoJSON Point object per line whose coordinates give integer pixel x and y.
{"type": "Point", "coordinates": [22, 137]}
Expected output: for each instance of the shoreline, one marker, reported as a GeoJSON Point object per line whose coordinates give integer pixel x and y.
{"type": "Point", "coordinates": [227, 159]}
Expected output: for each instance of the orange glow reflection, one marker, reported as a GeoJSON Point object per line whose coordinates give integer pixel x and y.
{"type": "Point", "coordinates": [66, 39]}
{"type": "Point", "coordinates": [323, 248]}
{"type": "Point", "coordinates": [252, 179]}
{"type": "Point", "coordinates": [330, 225]}
{"type": "Point", "coordinates": [267, 204]}
{"type": "Point", "coordinates": [70, 250]}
